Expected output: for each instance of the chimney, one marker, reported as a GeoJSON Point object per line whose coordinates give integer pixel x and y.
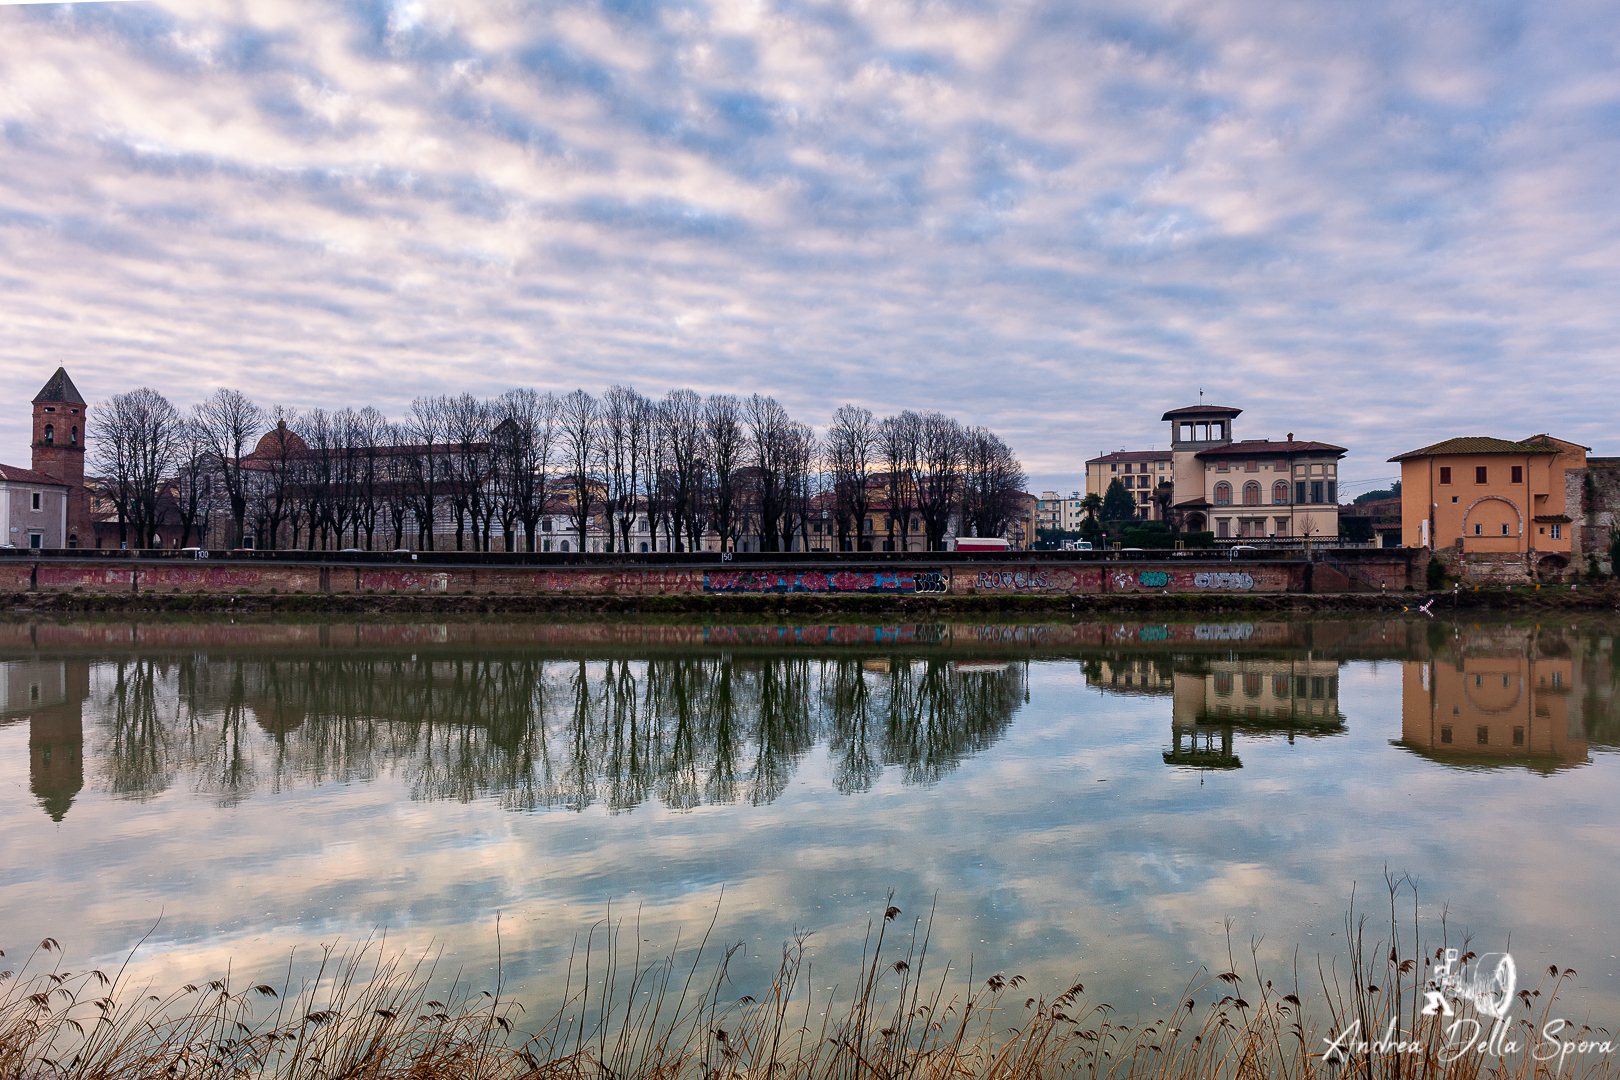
{"type": "Point", "coordinates": [1290, 436]}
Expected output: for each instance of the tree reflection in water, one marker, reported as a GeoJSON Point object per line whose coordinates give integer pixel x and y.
{"type": "Point", "coordinates": [683, 731]}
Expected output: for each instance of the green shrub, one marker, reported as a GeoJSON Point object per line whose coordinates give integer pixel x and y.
{"type": "Point", "coordinates": [1436, 573]}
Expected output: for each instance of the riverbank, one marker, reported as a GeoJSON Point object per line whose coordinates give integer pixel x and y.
{"type": "Point", "coordinates": [1562, 598]}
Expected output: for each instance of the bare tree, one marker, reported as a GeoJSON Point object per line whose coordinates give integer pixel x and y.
{"type": "Point", "coordinates": [852, 446]}
{"type": "Point", "coordinates": [522, 445]}
{"type": "Point", "coordinates": [938, 478]}
{"type": "Point", "coordinates": [427, 470]}
{"type": "Point", "coordinates": [723, 446]}
{"type": "Point", "coordinates": [768, 457]}
{"type": "Point", "coordinates": [622, 429]}
{"type": "Point", "coordinates": [577, 424]}
{"type": "Point", "coordinates": [371, 435]}
{"type": "Point", "coordinates": [899, 440]}
{"type": "Point", "coordinates": [230, 422]}
{"type": "Point", "coordinates": [196, 483]}
{"type": "Point", "coordinates": [657, 473]}
{"type": "Point", "coordinates": [684, 433]}
{"type": "Point", "coordinates": [139, 438]}
{"type": "Point", "coordinates": [992, 481]}
{"type": "Point", "coordinates": [467, 425]}
{"type": "Point", "coordinates": [799, 475]}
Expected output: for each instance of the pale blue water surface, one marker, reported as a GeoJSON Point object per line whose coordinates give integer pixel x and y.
{"type": "Point", "coordinates": [1075, 799]}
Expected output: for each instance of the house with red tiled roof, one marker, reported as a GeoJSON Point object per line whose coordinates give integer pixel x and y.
{"type": "Point", "coordinates": [1249, 488]}
{"type": "Point", "coordinates": [33, 508]}
{"type": "Point", "coordinates": [1480, 496]}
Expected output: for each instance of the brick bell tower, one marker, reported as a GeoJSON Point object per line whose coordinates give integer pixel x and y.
{"type": "Point", "coordinates": [60, 419]}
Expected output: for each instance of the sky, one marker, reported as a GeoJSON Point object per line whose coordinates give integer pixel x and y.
{"type": "Point", "coordinates": [1375, 224]}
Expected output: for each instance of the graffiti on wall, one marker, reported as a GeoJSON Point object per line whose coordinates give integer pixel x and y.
{"type": "Point", "coordinates": [820, 581]}
{"type": "Point", "coordinates": [1013, 579]}
{"type": "Point", "coordinates": [1222, 580]}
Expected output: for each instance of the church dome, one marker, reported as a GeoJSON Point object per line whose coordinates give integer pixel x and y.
{"type": "Point", "coordinates": [277, 440]}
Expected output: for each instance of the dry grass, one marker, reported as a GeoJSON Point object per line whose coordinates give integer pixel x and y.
{"type": "Point", "coordinates": [367, 1013]}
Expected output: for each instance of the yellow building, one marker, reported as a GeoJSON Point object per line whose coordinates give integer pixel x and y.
{"type": "Point", "coordinates": [1491, 497]}
{"type": "Point", "coordinates": [1140, 471]}
{"type": "Point", "coordinates": [1495, 706]}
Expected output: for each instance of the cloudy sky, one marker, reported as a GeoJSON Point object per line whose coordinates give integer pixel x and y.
{"type": "Point", "coordinates": [1374, 223]}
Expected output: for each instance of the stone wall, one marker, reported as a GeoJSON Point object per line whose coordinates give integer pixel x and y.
{"type": "Point", "coordinates": [1009, 577]}
{"type": "Point", "coordinates": [1593, 498]}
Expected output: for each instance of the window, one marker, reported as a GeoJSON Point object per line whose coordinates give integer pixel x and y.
{"type": "Point", "coordinates": [1113, 468]}
{"type": "Point", "coordinates": [1518, 736]}
{"type": "Point", "coordinates": [1299, 491]}
{"type": "Point", "coordinates": [50, 434]}
{"type": "Point", "coordinates": [1223, 494]}
{"type": "Point", "coordinates": [1479, 474]}
{"type": "Point", "coordinates": [1279, 492]}
{"type": "Point", "coordinates": [1223, 683]}
{"type": "Point", "coordinates": [1479, 530]}
{"type": "Point", "coordinates": [1251, 466]}
{"type": "Point", "coordinates": [1222, 465]}
{"type": "Point", "coordinates": [644, 547]}
{"type": "Point", "coordinates": [1251, 494]}
{"type": "Point", "coordinates": [1316, 491]}
{"type": "Point", "coordinates": [564, 545]}
{"type": "Point", "coordinates": [1280, 466]}
{"type": "Point", "coordinates": [545, 526]}
{"type": "Point", "coordinates": [1518, 474]}
{"type": "Point", "coordinates": [73, 437]}
{"type": "Point", "coordinates": [1251, 684]}
{"type": "Point", "coordinates": [1333, 491]}
{"type": "Point", "coordinates": [1445, 733]}
{"type": "Point", "coordinates": [1216, 430]}
{"type": "Point", "coordinates": [1279, 686]}
{"type": "Point", "coordinates": [1222, 528]}
{"type": "Point", "coordinates": [1504, 528]}
{"type": "Point", "coordinates": [36, 541]}
{"type": "Point", "coordinates": [545, 545]}
{"type": "Point", "coordinates": [1557, 532]}
{"type": "Point", "coordinates": [1483, 735]}
{"type": "Point", "coordinates": [38, 499]}
{"type": "Point", "coordinates": [1445, 474]}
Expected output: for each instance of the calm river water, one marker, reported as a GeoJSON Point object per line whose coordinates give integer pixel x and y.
{"type": "Point", "coordinates": [1091, 799]}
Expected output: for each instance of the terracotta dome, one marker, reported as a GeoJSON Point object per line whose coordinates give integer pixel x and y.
{"type": "Point", "coordinates": [271, 445]}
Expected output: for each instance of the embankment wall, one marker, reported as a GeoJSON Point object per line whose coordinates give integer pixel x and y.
{"type": "Point", "coordinates": [1010, 577]}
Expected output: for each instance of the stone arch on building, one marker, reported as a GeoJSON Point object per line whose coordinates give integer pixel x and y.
{"type": "Point", "coordinates": [1251, 493]}
{"type": "Point", "coordinates": [1279, 493]}
{"type": "Point", "coordinates": [1197, 523]}
{"type": "Point", "coordinates": [1223, 494]}
{"type": "Point", "coordinates": [1469, 513]}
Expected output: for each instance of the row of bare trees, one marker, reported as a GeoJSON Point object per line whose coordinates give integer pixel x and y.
{"type": "Point", "coordinates": [621, 468]}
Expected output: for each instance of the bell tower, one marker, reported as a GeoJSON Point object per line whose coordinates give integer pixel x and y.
{"type": "Point", "coordinates": [60, 420]}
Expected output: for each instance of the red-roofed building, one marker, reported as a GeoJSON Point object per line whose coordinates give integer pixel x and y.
{"type": "Point", "coordinates": [1250, 488]}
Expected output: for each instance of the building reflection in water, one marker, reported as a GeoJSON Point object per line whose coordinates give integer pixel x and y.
{"type": "Point", "coordinates": [687, 725]}
{"type": "Point", "coordinates": [1214, 697]}
{"type": "Point", "coordinates": [1501, 696]}
{"type": "Point", "coordinates": [682, 730]}
{"type": "Point", "coordinates": [49, 696]}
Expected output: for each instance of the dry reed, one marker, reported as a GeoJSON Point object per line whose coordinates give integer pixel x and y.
{"type": "Point", "coordinates": [369, 1013]}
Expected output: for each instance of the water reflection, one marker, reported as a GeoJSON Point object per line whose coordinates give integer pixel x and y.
{"type": "Point", "coordinates": [1503, 696]}
{"type": "Point", "coordinates": [534, 732]}
{"type": "Point", "coordinates": [720, 715]}
{"type": "Point", "coordinates": [1213, 696]}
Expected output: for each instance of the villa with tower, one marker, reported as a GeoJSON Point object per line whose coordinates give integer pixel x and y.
{"type": "Point", "coordinates": [1208, 481]}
